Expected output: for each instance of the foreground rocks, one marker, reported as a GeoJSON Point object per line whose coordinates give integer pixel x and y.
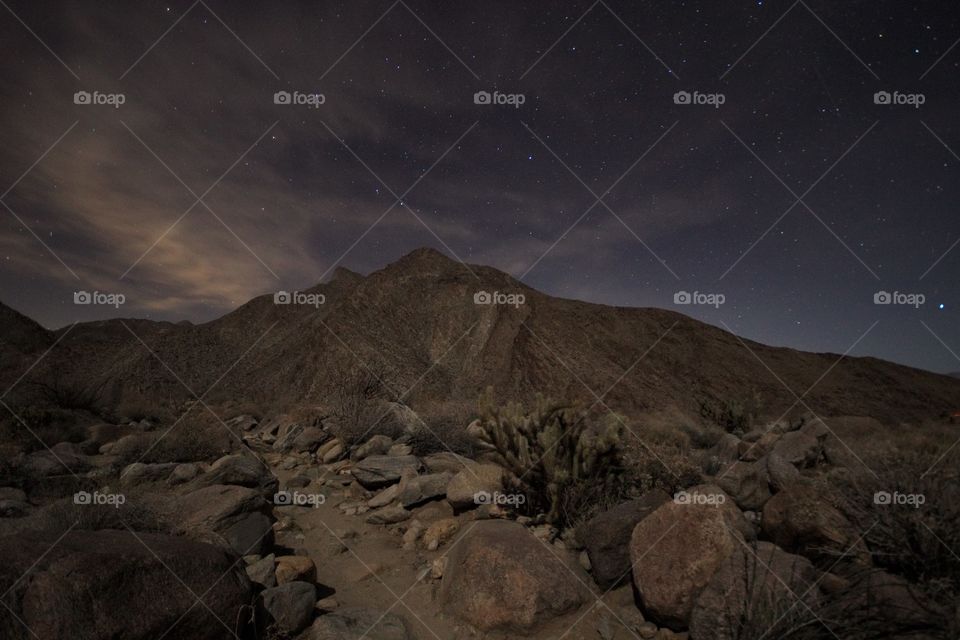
{"type": "Point", "coordinates": [676, 550]}
{"type": "Point", "coordinates": [112, 584]}
{"type": "Point", "coordinates": [500, 577]}
{"type": "Point", "coordinates": [358, 624]}
{"type": "Point", "coordinates": [606, 537]}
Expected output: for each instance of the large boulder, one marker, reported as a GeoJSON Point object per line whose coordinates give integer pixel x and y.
{"type": "Point", "coordinates": [781, 473]}
{"type": "Point", "coordinates": [355, 623]}
{"type": "Point", "coordinates": [415, 490]}
{"type": "Point", "coordinates": [753, 587]}
{"type": "Point", "coordinates": [676, 550]}
{"type": "Point", "coordinates": [289, 606]}
{"type": "Point", "coordinates": [242, 470]}
{"type": "Point", "coordinates": [747, 483]}
{"type": "Point", "coordinates": [606, 537]}
{"type": "Point", "coordinates": [139, 473]}
{"type": "Point", "coordinates": [238, 517]}
{"type": "Point", "coordinates": [475, 479]}
{"type": "Point", "coordinates": [307, 441]}
{"type": "Point", "coordinates": [377, 445]}
{"type": "Point", "coordinates": [800, 519]}
{"type": "Point", "coordinates": [799, 448]}
{"type": "Point", "coordinates": [102, 585]}
{"type": "Point", "coordinates": [61, 458]}
{"type": "Point", "coordinates": [499, 576]}
{"type": "Point", "coordinates": [376, 472]}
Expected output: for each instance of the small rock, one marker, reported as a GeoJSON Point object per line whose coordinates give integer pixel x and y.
{"type": "Point", "coordinates": [466, 484]}
{"type": "Point", "coordinates": [385, 497]}
{"type": "Point", "coordinates": [647, 630]}
{"type": "Point", "coordinates": [388, 515]}
{"type": "Point", "coordinates": [378, 445]}
{"type": "Point", "coordinates": [440, 532]}
{"type": "Point", "coordinates": [327, 604]}
{"type": "Point", "coordinates": [295, 568]}
{"type": "Point", "coordinates": [290, 605]}
{"type": "Point", "coordinates": [400, 450]}
{"type": "Point", "coordinates": [262, 572]}
{"type": "Point", "coordinates": [438, 566]}
{"type": "Point", "coordinates": [584, 559]}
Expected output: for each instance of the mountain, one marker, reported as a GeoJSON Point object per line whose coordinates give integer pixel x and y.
{"type": "Point", "coordinates": [417, 319]}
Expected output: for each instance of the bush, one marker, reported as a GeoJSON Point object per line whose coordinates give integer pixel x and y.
{"type": "Point", "coordinates": [733, 415]}
{"type": "Point", "coordinates": [360, 405]}
{"type": "Point", "coordinates": [446, 431]}
{"type": "Point", "coordinates": [70, 395]}
{"type": "Point", "coordinates": [552, 451]}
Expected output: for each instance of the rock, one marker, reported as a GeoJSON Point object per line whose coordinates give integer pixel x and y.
{"type": "Point", "coordinates": [466, 484]}
{"type": "Point", "coordinates": [746, 483]}
{"type": "Point", "coordinates": [295, 569]}
{"type": "Point", "coordinates": [433, 511]}
{"type": "Point", "coordinates": [184, 472]}
{"type": "Point", "coordinates": [327, 604]}
{"type": "Point", "coordinates": [355, 623]}
{"type": "Point", "coordinates": [439, 532]}
{"type": "Point", "coordinates": [411, 535]}
{"type": "Point", "coordinates": [262, 572]}
{"type": "Point", "coordinates": [378, 445]}
{"type": "Point", "coordinates": [385, 497]}
{"type": "Point", "coordinates": [727, 449]}
{"type": "Point", "coordinates": [14, 508]}
{"type": "Point", "coordinates": [814, 427]}
{"type": "Point", "coordinates": [415, 490]}
{"type": "Point", "coordinates": [290, 605]}
{"type": "Point", "coordinates": [836, 452]}
{"type": "Point", "coordinates": [406, 417]}
{"type": "Point", "coordinates": [242, 470]}
{"type": "Point", "coordinates": [438, 566]}
{"type": "Point", "coordinates": [242, 423]}
{"type": "Point", "coordinates": [606, 537]}
{"type": "Point", "coordinates": [500, 577]}
{"type": "Point", "coordinates": [82, 584]}
{"type": "Point", "coordinates": [379, 471]}
{"type": "Point", "coordinates": [676, 550]}
{"type": "Point", "coordinates": [647, 630]}
{"type": "Point", "coordinates": [731, 599]}
{"type": "Point", "coordinates": [330, 451]}
{"type": "Point", "coordinates": [781, 473]}
{"type": "Point", "coordinates": [308, 440]}
{"type": "Point", "coordinates": [237, 516]}
{"type": "Point", "coordinates": [12, 493]}
{"type": "Point", "coordinates": [60, 459]}
{"type": "Point", "coordinates": [388, 515]}
{"type": "Point", "coordinates": [800, 520]}
{"type": "Point", "coordinates": [139, 473]}
{"type": "Point", "coordinates": [798, 448]}
{"type": "Point", "coordinates": [400, 450]}
{"type": "Point", "coordinates": [447, 461]}
{"type": "Point", "coordinates": [751, 451]}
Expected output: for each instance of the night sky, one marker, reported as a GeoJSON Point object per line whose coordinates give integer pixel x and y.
{"type": "Point", "coordinates": [797, 198]}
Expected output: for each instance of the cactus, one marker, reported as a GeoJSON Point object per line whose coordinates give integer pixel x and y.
{"type": "Point", "coordinates": [550, 448]}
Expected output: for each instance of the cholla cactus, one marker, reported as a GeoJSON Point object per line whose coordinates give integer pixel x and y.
{"type": "Point", "coordinates": [550, 448]}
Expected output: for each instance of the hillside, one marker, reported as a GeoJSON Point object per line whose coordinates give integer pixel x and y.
{"type": "Point", "coordinates": [417, 318]}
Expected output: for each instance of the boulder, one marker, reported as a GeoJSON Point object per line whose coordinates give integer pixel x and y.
{"type": "Point", "coordinates": [753, 450]}
{"type": "Point", "coordinates": [236, 516]}
{"type": "Point", "coordinates": [798, 448]}
{"type": "Point", "coordinates": [801, 520]}
{"type": "Point", "coordinates": [330, 450]}
{"type": "Point", "coordinates": [309, 439]}
{"type": "Point", "coordinates": [380, 471]}
{"type": "Point", "coordinates": [400, 450]}
{"type": "Point", "coordinates": [415, 490]}
{"type": "Point", "coordinates": [747, 483]}
{"type": "Point", "coordinates": [606, 537]}
{"type": "Point", "coordinates": [184, 472]}
{"type": "Point", "coordinates": [60, 459]}
{"type": "Point", "coordinates": [102, 585]}
{"type": "Point", "coordinates": [447, 461]}
{"type": "Point", "coordinates": [139, 473]}
{"type": "Point", "coordinates": [750, 590]}
{"type": "Point", "coordinates": [290, 606]}
{"type": "Point", "coordinates": [676, 550]}
{"type": "Point", "coordinates": [727, 449]}
{"type": "Point", "coordinates": [406, 417]}
{"type": "Point", "coordinates": [354, 623]}
{"type": "Point", "coordinates": [385, 497]}
{"type": "Point", "coordinates": [378, 445]}
{"type": "Point", "coordinates": [781, 473]}
{"type": "Point", "coordinates": [263, 572]}
{"type": "Point", "coordinates": [466, 484]}
{"type": "Point", "coordinates": [500, 577]}
{"type": "Point", "coordinates": [242, 470]}
{"type": "Point", "coordinates": [295, 568]}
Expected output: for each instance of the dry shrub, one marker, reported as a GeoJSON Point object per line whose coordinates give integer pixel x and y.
{"type": "Point", "coordinates": [139, 512]}
{"type": "Point", "coordinates": [191, 440]}
{"type": "Point", "coordinates": [446, 431]}
{"type": "Point", "coordinates": [360, 405]}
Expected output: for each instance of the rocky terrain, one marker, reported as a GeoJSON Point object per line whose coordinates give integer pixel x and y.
{"type": "Point", "coordinates": [303, 493]}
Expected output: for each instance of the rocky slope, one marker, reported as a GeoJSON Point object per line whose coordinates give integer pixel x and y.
{"type": "Point", "coordinates": [417, 318]}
